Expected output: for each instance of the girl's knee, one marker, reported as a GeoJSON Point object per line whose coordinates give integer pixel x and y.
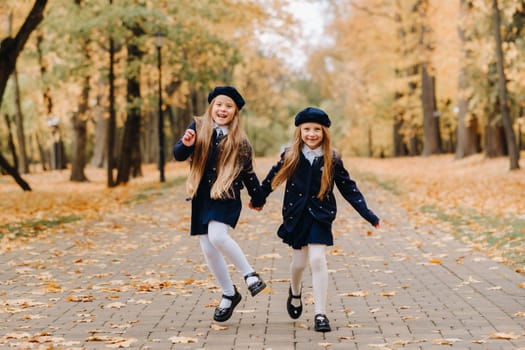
{"type": "Point", "coordinates": [298, 266]}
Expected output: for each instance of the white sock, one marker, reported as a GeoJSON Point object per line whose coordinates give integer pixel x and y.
{"type": "Point", "coordinates": [218, 267]}
{"type": "Point", "coordinates": [319, 276]}
{"type": "Point", "coordinates": [225, 303]}
{"type": "Point", "coordinates": [297, 266]}
{"type": "Point", "coordinates": [221, 240]}
{"type": "Point", "coordinates": [251, 280]}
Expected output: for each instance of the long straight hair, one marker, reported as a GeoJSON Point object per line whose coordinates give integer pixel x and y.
{"type": "Point", "coordinates": [234, 148]}
{"type": "Point", "coordinates": [291, 160]}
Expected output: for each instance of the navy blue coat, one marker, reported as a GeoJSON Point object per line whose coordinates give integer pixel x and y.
{"type": "Point", "coordinates": [300, 197]}
{"type": "Point", "coordinates": [203, 207]}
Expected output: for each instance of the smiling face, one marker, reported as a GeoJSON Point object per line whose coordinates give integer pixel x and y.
{"type": "Point", "coordinates": [223, 110]}
{"type": "Point", "coordinates": [311, 134]}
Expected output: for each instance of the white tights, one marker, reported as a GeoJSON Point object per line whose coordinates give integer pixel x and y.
{"type": "Point", "coordinates": [317, 254]}
{"type": "Point", "coordinates": [216, 244]}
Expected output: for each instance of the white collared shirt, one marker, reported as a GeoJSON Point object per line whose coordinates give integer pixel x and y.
{"type": "Point", "coordinates": [311, 154]}
{"type": "Point", "coordinates": [224, 129]}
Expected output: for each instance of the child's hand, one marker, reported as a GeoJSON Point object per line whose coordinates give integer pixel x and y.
{"type": "Point", "coordinates": [377, 225]}
{"type": "Point", "coordinates": [250, 205]}
{"type": "Point", "coordinates": [188, 139]}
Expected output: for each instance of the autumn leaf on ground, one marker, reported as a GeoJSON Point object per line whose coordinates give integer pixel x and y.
{"type": "Point", "coordinates": [361, 293]}
{"type": "Point", "coordinates": [183, 340]}
{"type": "Point", "coordinates": [217, 327]}
{"type": "Point", "coordinates": [435, 261]}
{"type": "Point", "coordinates": [81, 298]}
{"type": "Point", "coordinates": [117, 305]}
{"type": "Point", "coordinates": [447, 341]}
{"type": "Point", "coordinates": [504, 336]}
{"type": "Point", "coordinates": [120, 343]}
{"type": "Point", "coordinates": [407, 342]}
{"type": "Point", "coordinates": [381, 346]}
{"type": "Point", "coordinates": [325, 345]}
{"type": "Point", "coordinates": [269, 256]}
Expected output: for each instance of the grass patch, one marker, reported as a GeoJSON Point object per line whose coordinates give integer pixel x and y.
{"type": "Point", "coordinates": [151, 191]}
{"type": "Point", "coordinates": [30, 228]}
{"type": "Point", "coordinates": [503, 236]}
{"type": "Point", "coordinates": [390, 185]}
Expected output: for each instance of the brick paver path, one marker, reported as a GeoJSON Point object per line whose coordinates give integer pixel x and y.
{"type": "Point", "coordinates": [138, 280]}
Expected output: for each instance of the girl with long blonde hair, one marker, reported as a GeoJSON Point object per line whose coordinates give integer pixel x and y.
{"type": "Point", "coordinates": [310, 169]}
{"type": "Point", "coordinates": [221, 165]}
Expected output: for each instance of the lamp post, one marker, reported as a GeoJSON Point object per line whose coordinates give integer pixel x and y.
{"type": "Point", "coordinates": [159, 40]}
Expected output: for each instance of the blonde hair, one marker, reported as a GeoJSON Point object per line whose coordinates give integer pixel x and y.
{"type": "Point", "coordinates": [234, 150]}
{"type": "Point", "coordinates": [291, 160]}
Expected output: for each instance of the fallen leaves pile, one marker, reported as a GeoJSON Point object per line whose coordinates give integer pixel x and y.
{"type": "Point", "coordinates": [55, 201]}
{"type": "Point", "coordinates": [478, 200]}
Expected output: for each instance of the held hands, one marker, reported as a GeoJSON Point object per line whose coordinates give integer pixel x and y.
{"type": "Point", "coordinates": [250, 205]}
{"type": "Point", "coordinates": [188, 139]}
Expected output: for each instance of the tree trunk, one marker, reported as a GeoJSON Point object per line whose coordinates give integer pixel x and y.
{"type": "Point", "coordinates": [10, 141]}
{"type": "Point", "coordinates": [44, 158]}
{"type": "Point", "coordinates": [431, 131]}
{"type": "Point", "coordinates": [79, 121]}
{"type": "Point", "coordinates": [494, 144]}
{"type": "Point", "coordinates": [400, 148]}
{"type": "Point", "coordinates": [101, 133]}
{"type": "Point", "coordinates": [9, 50]}
{"type": "Point", "coordinates": [467, 129]}
{"type": "Point", "coordinates": [14, 173]}
{"type": "Point", "coordinates": [22, 165]}
{"type": "Point", "coordinates": [112, 123]}
{"type": "Point", "coordinates": [130, 158]}
{"type": "Point", "coordinates": [78, 162]}
{"type": "Point", "coordinates": [502, 92]}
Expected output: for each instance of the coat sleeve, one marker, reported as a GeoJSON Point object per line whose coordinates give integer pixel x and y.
{"type": "Point", "coordinates": [267, 182]}
{"type": "Point", "coordinates": [251, 181]}
{"type": "Point", "coordinates": [351, 193]}
{"type": "Point", "coordinates": [182, 152]}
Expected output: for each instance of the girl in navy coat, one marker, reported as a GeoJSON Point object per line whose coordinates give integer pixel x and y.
{"type": "Point", "coordinates": [221, 165]}
{"type": "Point", "coordinates": [310, 168]}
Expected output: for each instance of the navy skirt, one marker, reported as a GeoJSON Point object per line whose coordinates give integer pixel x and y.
{"type": "Point", "coordinates": [307, 231]}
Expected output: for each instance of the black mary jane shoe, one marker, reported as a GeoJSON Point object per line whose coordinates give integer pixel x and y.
{"type": "Point", "coordinates": [224, 314]}
{"type": "Point", "coordinates": [256, 287]}
{"type": "Point", "coordinates": [322, 324]}
{"type": "Point", "coordinates": [294, 311]}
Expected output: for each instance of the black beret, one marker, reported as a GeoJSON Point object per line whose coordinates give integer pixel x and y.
{"type": "Point", "coordinates": [229, 91]}
{"type": "Point", "coordinates": [312, 115]}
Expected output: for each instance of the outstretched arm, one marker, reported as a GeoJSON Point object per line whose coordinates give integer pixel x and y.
{"type": "Point", "coordinates": [351, 193]}
{"type": "Point", "coordinates": [185, 146]}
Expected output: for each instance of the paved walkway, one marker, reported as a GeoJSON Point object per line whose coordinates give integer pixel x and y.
{"type": "Point", "coordinates": [137, 280]}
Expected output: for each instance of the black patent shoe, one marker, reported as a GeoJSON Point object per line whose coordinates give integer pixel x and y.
{"type": "Point", "coordinates": [294, 311]}
{"type": "Point", "coordinates": [224, 314]}
{"type": "Point", "coordinates": [322, 324]}
{"type": "Point", "coordinates": [256, 287]}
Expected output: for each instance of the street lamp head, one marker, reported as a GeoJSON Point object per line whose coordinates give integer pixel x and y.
{"type": "Point", "coordinates": [159, 39]}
